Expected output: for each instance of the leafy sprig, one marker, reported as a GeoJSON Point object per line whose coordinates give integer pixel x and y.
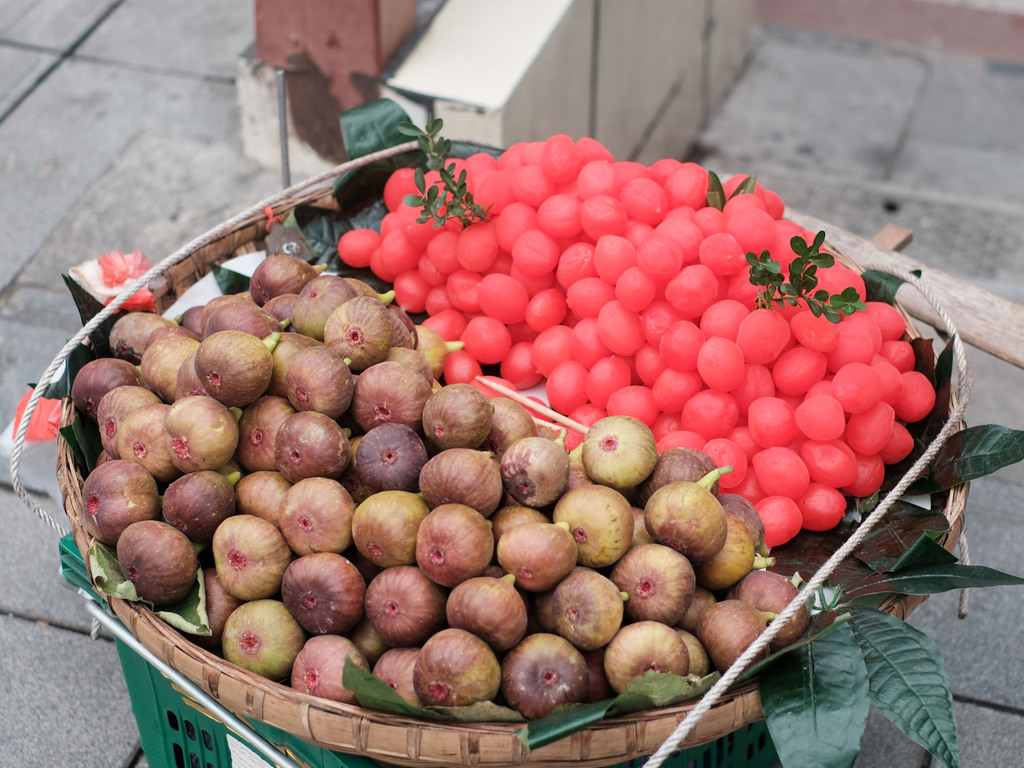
{"type": "Point", "coordinates": [448, 198]}
{"type": "Point", "coordinates": [766, 273]}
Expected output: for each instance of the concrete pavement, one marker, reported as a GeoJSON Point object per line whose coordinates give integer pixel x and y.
{"type": "Point", "coordinates": [119, 131]}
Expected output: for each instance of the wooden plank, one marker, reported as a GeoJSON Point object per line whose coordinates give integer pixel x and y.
{"type": "Point", "coordinates": [985, 320]}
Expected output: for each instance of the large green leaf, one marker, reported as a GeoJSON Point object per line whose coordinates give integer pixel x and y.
{"type": "Point", "coordinates": [972, 453]}
{"type": "Point", "coordinates": [931, 580]}
{"type": "Point", "coordinates": [907, 680]}
{"type": "Point", "coordinates": [372, 127]}
{"type": "Point", "coordinates": [815, 702]}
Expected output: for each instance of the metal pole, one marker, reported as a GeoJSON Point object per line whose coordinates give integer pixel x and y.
{"type": "Point", "coordinates": [282, 124]}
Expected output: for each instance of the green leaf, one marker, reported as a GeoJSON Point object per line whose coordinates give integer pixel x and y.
{"type": "Point", "coordinates": [188, 615]}
{"type": "Point", "coordinates": [107, 574]}
{"type": "Point", "coordinates": [229, 281]}
{"type": "Point", "coordinates": [563, 723]}
{"type": "Point", "coordinates": [61, 387]}
{"type": "Point", "coordinates": [931, 580]}
{"type": "Point", "coordinates": [83, 437]}
{"type": "Point", "coordinates": [746, 187]}
{"type": "Point", "coordinates": [372, 127]}
{"type": "Point", "coordinates": [924, 552]}
{"type": "Point", "coordinates": [908, 681]}
{"type": "Point", "coordinates": [373, 693]}
{"type": "Point", "coordinates": [815, 702]}
{"type": "Point", "coordinates": [900, 530]}
{"type": "Point", "coordinates": [881, 286]}
{"type": "Point", "coordinates": [972, 453]}
{"type": "Point", "coordinates": [88, 307]}
{"type": "Point", "coordinates": [652, 690]}
{"type": "Point", "coordinates": [716, 194]}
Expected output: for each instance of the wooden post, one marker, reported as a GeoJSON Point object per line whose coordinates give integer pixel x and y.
{"type": "Point", "coordinates": [333, 53]}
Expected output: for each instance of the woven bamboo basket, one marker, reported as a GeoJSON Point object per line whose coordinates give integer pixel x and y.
{"type": "Point", "coordinates": [386, 737]}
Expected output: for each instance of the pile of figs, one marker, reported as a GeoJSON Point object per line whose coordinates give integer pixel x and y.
{"type": "Point", "coordinates": [293, 448]}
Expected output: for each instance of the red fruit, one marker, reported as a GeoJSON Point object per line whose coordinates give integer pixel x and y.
{"type": "Point", "coordinates": [797, 369]}
{"type": "Point", "coordinates": [821, 417]}
{"type": "Point", "coordinates": [575, 263]}
{"type": "Point", "coordinates": [870, 474]}
{"type": "Point", "coordinates": [586, 344]}
{"type": "Point", "coordinates": [645, 200]}
{"type": "Point", "coordinates": [613, 255]}
{"type": "Point", "coordinates": [606, 376]}
{"type": "Point", "coordinates": [559, 216]}
{"type": "Point", "coordinates": [762, 335]}
{"type": "Point", "coordinates": [781, 517]}
{"type": "Point", "coordinates": [868, 431]}
{"type": "Point", "coordinates": [603, 215]}
{"type": "Point", "coordinates": [518, 367]}
{"type": "Point", "coordinates": [917, 398]}
{"type": "Point", "coordinates": [857, 386]}
{"type": "Point", "coordinates": [722, 254]}
{"type": "Point", "coordinates": [781, 472]}
{"type": "Point", "coordinates": [460, 367]}
{"type": "Point", "coordinates": [831, 462]}
{"type": "Point", "coordinates": [503, 297]}
{"type": "Point", "coordinates": [660, 256]}
{"type": "Point", "coordinates": [821, 507]}
{"type": "Point", "coordinates": [588, 295]}
{"type": "Point", "coordinates": [449, 323]}
{"type": "Point", "coordinates": [516, 219]}
{"type": "Point", "coordinates": [723, 318]}
{"type": "Point", "coordinates": [356, 246]}
{"type": "Point", "coordinates": [635, 401]}
{"type": "Point", "coordinates": [551, 347]}
{"type": "Point", "coordinates": [710, 413]}
{"type": "Point", "coordinates": [727, 453]}
{"type": "Point", "coordinates": [772, 422]}
{"type": "Point", "coordinates": [692, 291]}
{"type": "Point", "coordinates": [720, 363]}
{"type": "Point", "coordinates": [687, 186]}
{"type": "Point", "coordinates": [477, 247]}
{"type": "Point", "coordinates": [680, 346]}
{"type": "Point", "coordinates": [560, 159]}
{"type": "Point", "coordinates": [566, 387]}
{"type": "Point", "coordinates": [597, 177]}
{"type": "Point", "coordinates": [619, 329]}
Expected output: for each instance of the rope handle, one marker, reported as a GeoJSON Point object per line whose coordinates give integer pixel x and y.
{"type": "Point", "coordinates": [965, 377]}
{"type": "Point", "coordinates": [221, 229]}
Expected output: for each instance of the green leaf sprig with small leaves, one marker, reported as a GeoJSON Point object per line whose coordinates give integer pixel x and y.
{"type": "Point", "coordinates": [766, 273]}
{"type": "Point", "coordinates": [449, 198]}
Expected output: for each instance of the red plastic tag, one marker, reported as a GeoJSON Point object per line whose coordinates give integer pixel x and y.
{"type": "Point", "coordinates": [45, 420]}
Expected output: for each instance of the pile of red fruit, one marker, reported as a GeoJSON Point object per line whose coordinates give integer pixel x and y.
{"type": "Point", "coordinates": [617, 286]}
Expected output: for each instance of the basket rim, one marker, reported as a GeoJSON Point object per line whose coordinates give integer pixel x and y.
{"type": "Point", "coordinates": [392, 738]}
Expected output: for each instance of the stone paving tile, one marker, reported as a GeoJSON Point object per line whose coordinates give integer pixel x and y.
{"type": "Point", "coordinates": [63, 699]}
{"type": "Point", "coordinates": [109, 108]}
{"type": "Point", "coordinates": [20, 70]}
{"type": "Point", "coordinates": [206, 40]}
{"type": "Point", "coordinates": [830, 117]}
{"type": "Point", "coordinates": [51, 24]}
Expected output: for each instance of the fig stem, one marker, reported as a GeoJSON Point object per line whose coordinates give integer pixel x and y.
{"type": "Point", "coordinates": [712, 477]}
{"type": "Point", "coordinates": [286, 323]}
{"type": "Point", "coordinates": [760, 563]}
{"type": "Point", "coordinates": [320, 268]}
{"type": "Point", "coordinates": [454, 346]}
{"type": "Point", "coordinates": [387, 297]}
{"type": "Point", "coordinates": [272, 340]}
{"type": "Point", "coordinates": [234, 477]}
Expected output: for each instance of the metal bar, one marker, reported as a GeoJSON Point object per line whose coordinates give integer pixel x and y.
{"type": "Point", "coordinates": [261, 745]}
{"type": "Point", "coordinates": [282, 127]}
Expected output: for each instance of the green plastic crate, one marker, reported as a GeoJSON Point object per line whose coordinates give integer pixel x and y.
{"type": "Point", "coordinates": [177, 732]}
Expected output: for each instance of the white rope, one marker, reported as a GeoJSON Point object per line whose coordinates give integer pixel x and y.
{"type": "Point", "coordinates": [281, 197]}
{"type": "Point", "coordinates": [965, 377]}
